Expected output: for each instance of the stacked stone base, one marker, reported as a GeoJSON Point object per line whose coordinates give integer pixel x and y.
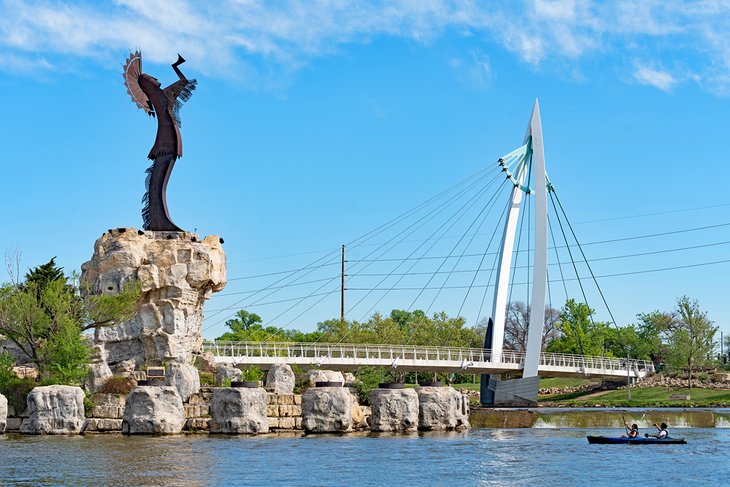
{"type": "Point", "coordinates": [284, 411]}
{"type": "Point", "coordinates": [160, 410]}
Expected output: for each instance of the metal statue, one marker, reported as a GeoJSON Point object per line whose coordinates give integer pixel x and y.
{"type": "Point", "coordinates": [147, 94]}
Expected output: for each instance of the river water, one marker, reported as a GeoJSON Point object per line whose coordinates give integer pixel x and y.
{"type": "Point", "coordinates": [542, 457]}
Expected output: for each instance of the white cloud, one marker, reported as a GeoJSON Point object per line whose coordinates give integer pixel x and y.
{"type": "Point", "coordinates": [655, 77]}
{"type": "Point", "coordinates": [243, 38]}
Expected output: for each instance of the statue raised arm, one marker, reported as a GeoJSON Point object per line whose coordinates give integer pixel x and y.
{"type": "Point", "coordinates": [147, 94]}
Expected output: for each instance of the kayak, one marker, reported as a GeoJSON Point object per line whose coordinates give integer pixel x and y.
{"type": "Point", "coordinates": [612, 440]}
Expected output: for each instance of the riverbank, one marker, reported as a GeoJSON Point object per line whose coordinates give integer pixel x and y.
{"type": "Point", "coordinates": [599, 417]}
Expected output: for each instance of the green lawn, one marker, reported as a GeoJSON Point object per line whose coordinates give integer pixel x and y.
{"type": "Point", "coordinates": [648, 397]}
{"type": "Point", "coordinates": [561, 382]}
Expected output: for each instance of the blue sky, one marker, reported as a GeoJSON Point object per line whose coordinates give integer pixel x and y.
{"type": "Point", "coordinates": [315, 122]}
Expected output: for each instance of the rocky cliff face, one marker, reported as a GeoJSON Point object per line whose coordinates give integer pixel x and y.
{"type": "Point", "coordinates": [177, 271]}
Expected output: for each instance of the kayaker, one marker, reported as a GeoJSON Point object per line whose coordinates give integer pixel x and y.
{"type": "Point", "coordinates": [632, 432]}
{"type": "Point", "coordinates": [663, 433]}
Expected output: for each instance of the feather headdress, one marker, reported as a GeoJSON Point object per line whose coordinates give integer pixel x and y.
{"type": "Point", "coordinates": [131, 74]}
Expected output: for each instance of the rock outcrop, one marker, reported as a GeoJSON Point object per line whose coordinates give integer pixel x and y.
{"type": "Point", "coordinates": [238, 410]}
{"type": "Point", "coordinates": [184, 378]}
{"type": "Point", "coordinates": [225, 373]}
{"type": "Point", "coordinates": [442, 408]}
{"type": "Point", "coordinates": [3, 413]}
{"type": "Point", "coordinates": [153, 410]}
{"type": "Point", "coordinates": [394, 410]}
{"type": "Point", "coordinates": [55, 410]}
{"type": "Point", "coordinates": [280, 379]}
{"type": "Point", "coordinates": [327, 410]}
{"type": "Point", "coordinates": [317, 375]}
{"type": "Point", "coordinates": [99, 371]}
{"type": "Point", "coordinates": [177, 272]}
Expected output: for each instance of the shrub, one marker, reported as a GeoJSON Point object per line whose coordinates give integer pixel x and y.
{"type": "Point", "coordinates": [368, 379]}
{"type": "Point", "coordinates": [7, 375]}
{"type": "Point", "coordinates": [252, 374]}
{"type": "Point", "coordinates": [17, 393]}
{"type": "Point", "coordinates": [207, 378]}
{"type": "Point", "coordinates": [118, 385]}
{"type": "Point", "coordinates": [88, 406]}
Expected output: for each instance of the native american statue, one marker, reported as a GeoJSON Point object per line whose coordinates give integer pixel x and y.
{"type": "Point", "coordinates": [147, 94]}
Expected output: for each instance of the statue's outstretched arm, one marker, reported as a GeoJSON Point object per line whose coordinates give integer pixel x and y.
{"type": "Point", "coordinates": [175, 65]}
{"type": "Point", "coordinates": [175, 88]}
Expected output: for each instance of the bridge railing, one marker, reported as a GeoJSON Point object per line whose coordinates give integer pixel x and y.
{"type": "Point", "coordinates": [314, 351]}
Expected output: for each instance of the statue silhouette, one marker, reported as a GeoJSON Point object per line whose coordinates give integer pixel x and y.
{"type": "Point", "coordinates": [147, 94]}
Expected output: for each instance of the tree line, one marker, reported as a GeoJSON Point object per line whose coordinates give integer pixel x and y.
{"type": "Point", "coordinates": [682, 339]}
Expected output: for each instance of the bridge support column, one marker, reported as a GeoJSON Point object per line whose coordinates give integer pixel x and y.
{"type": "Point", "coordinates": [521, 392]}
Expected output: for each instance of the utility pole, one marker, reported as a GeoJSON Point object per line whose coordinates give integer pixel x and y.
{"type": "Point", "coordinates": [342, 288]}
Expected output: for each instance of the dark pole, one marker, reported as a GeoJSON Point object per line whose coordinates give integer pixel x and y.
{"type": "Point", "coordinates": [342, 288]}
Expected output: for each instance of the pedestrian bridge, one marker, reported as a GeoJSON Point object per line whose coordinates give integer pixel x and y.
{"type": "Point", "coordinates": [409, 358]}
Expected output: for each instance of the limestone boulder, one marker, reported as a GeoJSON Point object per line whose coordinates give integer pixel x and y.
{"type": "Point", "coordinates": [280, 379]}
{"type": "Point", "coordinates": [225, 372]}
{"type": "Point", "coordinates": [327, 410]}
{"type": "Point", "coordinates": [3, 413]}
{"type": "Point", "coordinates": [184, 378]}
{"type": "Point", "coordinates": [99, 370]}
{"type": "Point", "coordinates": [394, 410]}
{"type": "Point", "coordinates": [55, 410]}
{"type": "Point", "coordinates": [99, 375]}
{"type": "Point", "coordinates": [238, 410]}
{"type": "Point", "coordinates": [177, 272]}
{"type": "Point", "coordinates": [318, 375]}
{"type": "Point", "coordinates": [153, 410]}
{"type": "Point", "coordinates": [206, 362]}
{"type": "Point", "coordinates": [442, 408]}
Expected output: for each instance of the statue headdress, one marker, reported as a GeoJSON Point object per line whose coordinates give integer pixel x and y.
{"type": "Point", "coordinates": [131, 74]}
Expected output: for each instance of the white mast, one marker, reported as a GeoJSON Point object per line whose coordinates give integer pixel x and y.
{"type": "Point", "coordinates": [533, 137]}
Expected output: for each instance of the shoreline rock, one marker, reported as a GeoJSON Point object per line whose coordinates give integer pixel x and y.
{"type": "Point", "coordinates": [327, 410]}
{"type": "Point", "coordinates": [442, 409]}
{"type": "Point", "coordinates": [3, 413]}
{"type": "Point", "coordinates": [54, 410]}
{"type": "Point", "coordinates": [394, 410]}
{"type": "Point", "coordinates": [238, 410]}
{"type": "Point", "coordinates": [153, 410]}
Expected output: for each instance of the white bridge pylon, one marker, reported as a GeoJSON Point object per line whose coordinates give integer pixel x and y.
{"type": "Point", "coordinates": [528, 158]}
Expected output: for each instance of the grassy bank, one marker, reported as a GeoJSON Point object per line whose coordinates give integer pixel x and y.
{"type": "Point", "coordinates": [645, 397]}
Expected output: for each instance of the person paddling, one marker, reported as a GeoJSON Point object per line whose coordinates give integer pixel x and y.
{"type": "Point", "coordinates": [663, 433]}
{"type": "Point", "coordinates": [632, 432]}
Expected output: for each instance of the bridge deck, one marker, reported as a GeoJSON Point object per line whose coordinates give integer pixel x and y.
{"type": "Point", "coordinates": [342, 356]}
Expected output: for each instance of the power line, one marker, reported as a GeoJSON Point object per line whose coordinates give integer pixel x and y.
{"type": "Point", "coordinates": [625, 217]}
{"type": "Point", "coordinates": [280, 272]}
{"type": "Point", "coordinates": [668, 212]}
{"type": "Point", "coordinates": [252, 291]}
{"type": "Point", "coordinates": [478, 175]}
{"type": "Point", "coordinates": [622, 239]}
{"type": "Point", "coordinates": [557, 264]}
{"type": "Point", "coordinates": [618, 274]}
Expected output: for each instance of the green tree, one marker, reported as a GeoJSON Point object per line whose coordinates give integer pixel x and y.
{"type": "Point", "coordinates": [44, 317]}
{"type": "Point", "coordinates": [44, 274]}
{"type": "Point", "coordinates": [690, 335]}
{"type": "Point", "coordinates": [579, 334]}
